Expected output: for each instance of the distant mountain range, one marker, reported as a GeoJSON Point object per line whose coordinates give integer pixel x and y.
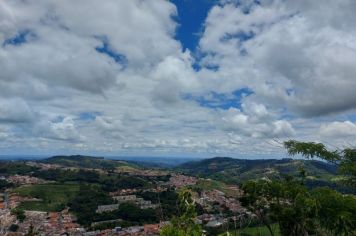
{"type": "Point", "coordinates": [222, 168]}
{"type": "Point", "coordinates": [239, 170]}
{"type": "Point", "coordinates": [112, 162]}
{"type": "Point", "coordinates": [86, 162]}
{"type": "Point", "coordinates": [225, 169]}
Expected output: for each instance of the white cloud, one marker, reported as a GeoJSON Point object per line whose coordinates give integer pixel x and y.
{"type": "Point", "coordinates": [250, 123]}
{"type": "Point", "coordinates": [63, 130]}
{"type": "Point", "coordinates": [295, 54]}
{"type": "Point", "coordinates": [298, 61]}
{"type": "Point", "coordinates": [15, 111]}
{"type": "Point", "coordinates": [338, 129]}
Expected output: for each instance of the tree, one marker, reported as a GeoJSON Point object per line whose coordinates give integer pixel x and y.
{"type": "Point", "coordinates": [19, 213]}
{"type": "Point", "coordinates": [299, 211]}
{"type": "Point", "coordinates": [336, 212]}
{"type": "Point", "coordinates": [184, 224]}
{"type": "Point", "coordinates": [254, 199]}
{"type": "Point", "coordinates": [13, 228]}
{"type": "Point", "coordinates": [345, 159]}
{"type": "Point", "coordinates": [286, 202]}
{"type": "Point", "coordinates": [4, 184]}
{"type": "Point", "coordinates": [85, 203]}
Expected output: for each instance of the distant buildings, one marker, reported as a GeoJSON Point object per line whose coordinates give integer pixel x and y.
{"type": "Point", "coordinates": [125, 198]}
{"type": "Point", "coordinates": [152, 229]}
{"type": "Point", "coordinates": [208, 197]}
{"type": "Point", "coordinates": [179, 181]}
{"type": "Point", "coordinates": [143, 204]}
{"type": "Point", "coordinates": [24, 179]}
{"type": "Point", "coordinates": [106, 208]}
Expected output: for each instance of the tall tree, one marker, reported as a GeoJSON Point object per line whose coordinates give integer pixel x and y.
{"type": "Point", "coordinates": [184, 224]}
{"type": "Point", "coordinates": [299, 211]}
{"type": "Point", "coordinates": [345, 158]}
{"type": "Point", "coordinates": [287, 203]}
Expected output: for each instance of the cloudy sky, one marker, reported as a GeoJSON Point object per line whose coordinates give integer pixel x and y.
{"type": "Point", "coordinates": [176, 78]}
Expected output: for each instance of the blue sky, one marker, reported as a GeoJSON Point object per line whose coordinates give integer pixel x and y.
{"type": "Point", "coordinates": [191, 17]}
{"type": "Point", "coordinates": [175, 78]}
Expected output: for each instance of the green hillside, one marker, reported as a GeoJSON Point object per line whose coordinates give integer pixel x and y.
{"type": "Point", "coordinates": [236, 171]}
{"type": "Point", "coordinates": [52, 197]}
{"type": "Point", "coordinates": [80, 161]}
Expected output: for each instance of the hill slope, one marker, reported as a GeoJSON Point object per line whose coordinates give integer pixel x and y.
{"type": "Point", "coordinates": [80, 161]}
{"type": "Point", "coordinates": [238, 170]}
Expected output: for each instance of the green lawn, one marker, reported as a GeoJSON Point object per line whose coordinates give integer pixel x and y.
{"type": "Point", "coordinates": [53, 196]}
{"type": "Point", "coordinates": [206, 184]}
{"type": "Point", "coordinates": [255, 231]}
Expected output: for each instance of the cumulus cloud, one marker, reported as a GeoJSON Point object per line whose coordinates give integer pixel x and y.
{"type": "Point", "coordinates": [256, 123]}
{"type": "Point", "coordinates": [338, 129]}
{"type": "Point", "coordinates": [292, 53]}
{"type": "Point", "coordinates": [120, 64]}
{"type": "Point", "coordinates": [64, 130]}
{"type": "Point", "coordinates": [15, 111]}
{"type": "Point", "coordinates": [174, 76]}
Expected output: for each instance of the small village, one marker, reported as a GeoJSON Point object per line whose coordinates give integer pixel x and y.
{"type": "Point", "coordinates": [65, 223]}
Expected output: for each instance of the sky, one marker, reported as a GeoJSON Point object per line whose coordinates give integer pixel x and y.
{"type": "Point", "coordinates": [176, 78]}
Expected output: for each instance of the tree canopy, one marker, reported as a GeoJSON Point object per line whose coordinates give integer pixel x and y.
{"type": "Point", "coordinates": [344, 158]}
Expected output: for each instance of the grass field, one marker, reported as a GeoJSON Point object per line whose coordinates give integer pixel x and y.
{"type": "Point", "coordinates": [126, 168]}
{"type": "Point", "coordinates": [206, 184]}
{"type": "Point", "coordinates": [255, 231]}
{"type": "Point", "coordinates": [53, 196]}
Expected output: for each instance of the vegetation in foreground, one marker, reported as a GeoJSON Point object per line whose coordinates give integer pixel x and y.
{"type": "Point", "coordinates": [253, 231]}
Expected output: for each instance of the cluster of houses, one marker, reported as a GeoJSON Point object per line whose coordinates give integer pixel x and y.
{"type": "Point", "coordinates": [24, 180]}
{"type": "Point", "coordinates": [12, 200]}
{"type": "Point", "coordinates": [206, 199]}
{"type": "Point", "coordinates": [46, 223]}
{"type": "Point", "coordinates": [178, 180]}
{"type": "Point", "coordinates": [211, 220]}
{"type": "Point", "coordinates": [131, 191]}
{"type": "Point", "coordinates": [63, 223]}
{"type": "Point", "coordinates": [3, 202]}
{"type": "Point", "coordinates": [43, 166]}
{"type": "Point", "coordinates": [6, 220]}
{"type": "Point", "coordinates": [143, 204]}
{"type": "Point", "coordinates": [51, 223]}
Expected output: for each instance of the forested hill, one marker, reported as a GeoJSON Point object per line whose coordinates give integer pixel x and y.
{"type": "Point", "coordinates": [239, 170]}
{"type": "Point", "coordinates": [87, 162]}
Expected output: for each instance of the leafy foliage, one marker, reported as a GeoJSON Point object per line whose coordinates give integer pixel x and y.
{"type": "Point", "coordinates": [346, 159]}
{"type": "Point", "coordinates": [108, 183]}
{"type": "Point", "coordinates": [4, 184]}
{"type": "Point", "coordinates": [183, 224]}
{"type": "Point", "coordinates": [19, 213]}
{"type": "Point", "coordinates": [13, 228]}
{"type": "Point", "coordinates": [15, 167]}
{"type": "Point", "coordinates": [54, 197]}
{"type": "Point", "coordinates": [299, 211]}
{"type": "Point", "coordinates": [85, 203]}
{"type": "Point", "coordinates": [68, 175]}
{"type": "Point", "coordinates": [336, 213]}
{"type": "Point", "coordinates": [114, 182]}
{"type": "Point", "coordinates": [168, 202]}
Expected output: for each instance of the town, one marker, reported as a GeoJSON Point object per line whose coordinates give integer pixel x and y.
{"type": "Point", "coordinates": [155, 197]}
